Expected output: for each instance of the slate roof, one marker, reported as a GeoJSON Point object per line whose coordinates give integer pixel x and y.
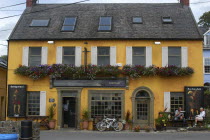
{"type": "Point", "coordinates": [3, 63]}
{"type": "Point", "coordinates": [183, 27]}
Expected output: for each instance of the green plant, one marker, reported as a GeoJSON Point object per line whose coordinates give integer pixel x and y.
{"type": "Point", "coordinates": [85, 115]}
{"type": "Point", "coordinates": [207, 92]}
{"type": "Point", "coordinates": [51, 111]}
{"type": "Point", "coordinates": [147, 128]}
{"type": "Point", "coordinates": [162, 119]}
{"type": "Point", "coordinates": [137, 128]}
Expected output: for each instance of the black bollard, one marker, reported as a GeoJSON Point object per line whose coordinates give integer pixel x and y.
{"type": "Point", "coordinates": [26, 130]}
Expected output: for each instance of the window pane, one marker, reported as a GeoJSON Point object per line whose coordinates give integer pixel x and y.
{"type": "Point", "coordinates": [35, 50]}
{"type": "Point", "coordinates": [167, 19]}
{"type": "Point", "coordinates": [174, 51]}
{"type": "Point", "coordinates": [103, 60]}
{"type": "Point", "coordinates": [40, 22]}
{"type": "Point", "coordinates": [69, 60]}
{"type": "Point", "coordinates": [70, 21]}
{"type": "Point", "coordinates": [105, 20]}
{"type": "Point", "coordinates": [104, 28]}
{"type": "Point", "coordinates": [138, 50]}
{"type": "Point", "coordinates": [33, 103]}
{"type": "Point", "coordinates": [207, 61]}
{"type": "Point", "coordinates": [67, 28]}
{"type": "Point", "coordinates": [137, 20]}
{"type": "Point", "coordinates": [207, 69]}
{"type": "Point", "coordinates": [177, 100]}
{"type": "Point", "coordinates": [174, 60]}
{"type": "Point", "coordinates": [69, 50]}
{"type": "Point", "coordinates": [103, 50]}
{"type": "Point", "coordinates": [139, 60]}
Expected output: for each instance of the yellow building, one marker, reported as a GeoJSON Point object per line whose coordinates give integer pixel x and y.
{"type": "Point", "coordinates": [3, 90]}
{"type": "Point", "coordinates": [104, 34]}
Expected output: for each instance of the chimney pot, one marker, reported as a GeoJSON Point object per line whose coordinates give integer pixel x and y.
{"type": "Point", "coordinates": [185, 2]}
{"type": "Point", "coordinates": [30, 3]}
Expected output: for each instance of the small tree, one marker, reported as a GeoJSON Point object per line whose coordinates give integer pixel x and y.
{"type": "Point", "coordinates": [4, 57]}
{"type": "Point", "coordinates": [204, 20]}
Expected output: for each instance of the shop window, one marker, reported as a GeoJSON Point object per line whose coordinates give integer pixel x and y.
{"type": "Point", "coordinates": [109, 104]}
{"type": "Point", "coordinates": [33, 103]}
{"type": "Point", "coordinates": [103, 56]}
{"type": "Point", "coordinates": [139, 57]}
{"type": "Point", "coordinates": [177, 100]}
{"type": "Point", "coordinates": [69, 55]}
{"type": "Point", "coordinates": [174, 56]}
{"type": "Point", "coordinates": [207, 65]}
{"type": "Point", "coordinates": [35, 56]}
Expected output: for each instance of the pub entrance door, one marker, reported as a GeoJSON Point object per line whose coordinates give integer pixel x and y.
{"type": "Point", "coordinates": [69, 112]}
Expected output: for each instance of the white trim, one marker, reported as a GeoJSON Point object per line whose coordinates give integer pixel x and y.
{"type": "Point", "coordinates": [94, 53]}
{"type": "Point", "coordinates": [25, 56]}
{"type": "Point", "coordinates": [129, 55]}
{"type": "Point", "coordinates": [78, 56]}
{"type": "Point", "coordinates": [167, 101]}
{"type": "Point", "coordinates": [204, 64]}
{"type": "Point", "coordinates": [42, 103]}
{"type": "Point", "coordinates": [113, 56]}
{"type": "Point", "coordinates": [59, 55]}
{"type": "Point", "coordinates": [148, 56]}
{"type": "Point", "coordinates": [206, 32]}
{"type": "Point", "coordinates": [44, 55]}
{"type": "Point", "coordinates": [184, 55]}
{"type": "Point", "coordinates": [164, 56]}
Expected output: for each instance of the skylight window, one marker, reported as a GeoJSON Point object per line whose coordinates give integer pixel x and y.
{"type": "Point", "coordinates": [167, 19]}
{"type": "Point", "coordinates": [137, 20]}
{"type": "Point", "coordinates": [39, 22]}
{"type": "Point", "coordinates": [69, 24]}
{"type": "Point", "coordinates": [105, 24]}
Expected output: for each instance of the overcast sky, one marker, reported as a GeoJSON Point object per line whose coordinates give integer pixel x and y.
{"type": "Point", "coordinates": [197, 6]}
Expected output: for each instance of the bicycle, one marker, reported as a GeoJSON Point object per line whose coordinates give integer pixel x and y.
{"type": "Point", "coordinates": [106, 123]}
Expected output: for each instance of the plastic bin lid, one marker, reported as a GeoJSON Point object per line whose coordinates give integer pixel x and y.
{"type": "Point", "coordinates": [8, 136]}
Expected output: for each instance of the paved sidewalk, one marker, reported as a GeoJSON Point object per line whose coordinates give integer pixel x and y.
{"type": "Point", "coordinates": [111, 135]}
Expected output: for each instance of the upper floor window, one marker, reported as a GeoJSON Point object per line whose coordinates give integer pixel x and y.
{"type": "Point", "coordinates": [105, 24]}
{"type": "Point", "coordinates": [35, 56]}
{"type": "Point", "coordinates": [207, 65]}
{"type": "Point", "coordinates": [207, 39]}
{"type": "Point", "coordinates": [167, 20]}
{"type": "Point", "coordinates": [39, 22]}
{"type": "Point", "coordinates": [69, 55]}
{"type": "Point", "coordinates": [174, 56]}
{"type": "Point", "coordinates": [137, 20]}
{"type": "Point", "coordinates": [139, 57]}
{"type": "Point", "coordinates": [103, 55]}
{"type": "Point", "coordinates": [69, 24]}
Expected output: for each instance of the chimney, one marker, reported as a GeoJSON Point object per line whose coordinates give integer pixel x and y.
{"type": "Point", "coordinates": [185, 2]}
{"type": "Point", "coordinates": [30, 3]}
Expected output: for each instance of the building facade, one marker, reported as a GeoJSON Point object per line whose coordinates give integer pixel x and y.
{"type": "Point", "coordinates": [3, 89]}
{"type": "Point", "coordinates": [206, 56]}
{"type": "Point", "coordinates": [133, 35]}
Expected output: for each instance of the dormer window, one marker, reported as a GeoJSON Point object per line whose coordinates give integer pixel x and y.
{"type": "Point", "coordinates": [69, 24]}
{"type": "Point", "coordinates": [39, 23]}
{"type": "Point", "coordinates": [137, 20]}
{"type": "Point", "coordinates": [207, 39]}
{"type": "Point", "coordinates": [167, 20]}
{"type": "Point", "coordinates": [105, 24]}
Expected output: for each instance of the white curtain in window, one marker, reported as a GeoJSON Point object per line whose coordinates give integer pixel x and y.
{"type": "Point", "coordinates": [184, 57]}
{"type": "Point", "coordinates": [113, 55]}
{"type": "Point", "coordinates": [78, 56]}
{"type": "Point", "coordinates": [167, 101]}
{"type": "Point", "coordinates": [148, 56]}
{"type": "Point", "coordinates": [94, 55]}
{"type": "Point", "coordinates": [44, 55]}
{"type": "Point", "coordinates": [164, 56]}
{"type": "Point", "coordinates": [42, 103]}
{"type": "Point", "coordinates": [129, 55]}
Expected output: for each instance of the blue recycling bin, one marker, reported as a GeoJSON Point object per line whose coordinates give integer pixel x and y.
{"type": "Point", "coordinates": [8, 136]}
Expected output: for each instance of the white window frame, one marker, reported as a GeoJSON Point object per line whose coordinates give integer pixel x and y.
{"type": "Point", "coordinates": [205, 65]}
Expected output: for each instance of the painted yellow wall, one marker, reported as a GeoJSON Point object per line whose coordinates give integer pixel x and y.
{"type": "Point", "coordinates": [157, 84]}
{"type": "Point", "coordinates": [3, 78]}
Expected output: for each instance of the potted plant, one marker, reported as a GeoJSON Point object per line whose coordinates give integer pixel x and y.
{"type": "Point", "coordinates": [161, 121]}
{"type": "Point", "coordinates": [137, 128]}
{"type": "Point", "coordinates": [51, 111]}
{"type": "Point", "coordinates": [85, 118]}
{"type": "Point", "coordinates": [128, 121]}
{"type": "Point", "coordinates": [147, 128]}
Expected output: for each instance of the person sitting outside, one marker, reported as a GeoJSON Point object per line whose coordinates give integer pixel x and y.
{"type": "Point", "coordinates": [179, 115]}
{"type": "Point", "coordinates": [200, 116]}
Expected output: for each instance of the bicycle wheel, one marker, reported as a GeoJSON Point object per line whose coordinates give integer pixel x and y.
{"type": "Point", "coordinates": [118, 126]}
{"type": "Point", "coordinates": [101, 126]}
